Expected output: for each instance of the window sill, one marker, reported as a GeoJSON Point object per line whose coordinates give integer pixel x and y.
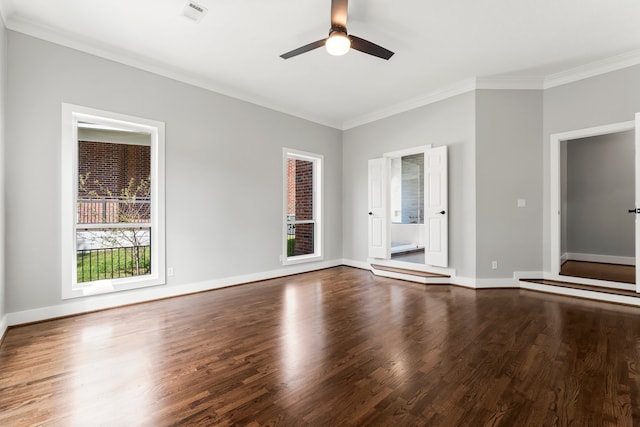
{"type": "Point", "coordinates": [301, 259]}
{"type": "Point", "coordinates": [112, 286]}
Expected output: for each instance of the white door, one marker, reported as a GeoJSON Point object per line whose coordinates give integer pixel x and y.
{"type": "Point", "coordinates": [378, 221]}
{"type": "Point", "coordinates": [436, 207]}
{"type": "Point", "coordinates": [637, 201]}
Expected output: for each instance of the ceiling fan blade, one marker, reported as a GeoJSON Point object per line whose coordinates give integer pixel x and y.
{"type": "Point", "coordinates": [339, 13]}
{"type": "Point", "coordinates": [303, 49]}
{"type": "Point", "coordinates": [371, 48]}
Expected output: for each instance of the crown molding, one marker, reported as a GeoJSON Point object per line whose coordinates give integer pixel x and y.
{"type": "Point", "coordinates": [152, 66]}
{"type": "Point", "coordinates": [510, 83]}
{"type": "Point", "coordinates": [571, 75]}
{"type": "Point", "coordinates": [7, 9]}
{"type": "Point", "coordinates": [593, 69]}
{"type": "Point", "coordinates": [420, 101]}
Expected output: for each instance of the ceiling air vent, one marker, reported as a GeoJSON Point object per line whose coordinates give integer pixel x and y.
{"type": "Point", "coordinates": [194, 11]}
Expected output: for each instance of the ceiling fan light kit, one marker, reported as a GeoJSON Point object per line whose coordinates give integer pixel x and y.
{"type": "Point", "coordinates": [339, 42]}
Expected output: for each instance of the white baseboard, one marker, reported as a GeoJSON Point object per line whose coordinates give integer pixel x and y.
{"type": "Point", "coordinates": [451, 272]}
{"type": "Point", "coordinates": [606, 259]}
{"type": "Point", "coordinates": [4, 324]}
{"type": "Point", "coordinates": [101, 302]}
{"type": "Point", "coordinates": [590, 282]}
{"type": "Point", "coordinates": [497, 283]}
{"type": "Point", "coordinates": [580, 293]}
{"type": "Point", "coordinates": [400, 276]}
{"type": "Point", "coordinates": [474, 283]}
{"type": "Point", "coordinates": [528, 275]}
{"type": "Point", "coordinates": [356, 264]}
{"type": "Point", "coordinates": [564, 258]}
{"type": "Point", "coordinates": [466, 282]}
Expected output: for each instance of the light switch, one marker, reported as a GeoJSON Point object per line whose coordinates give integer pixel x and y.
{"type": "Point", "coordinates": [522, 203]}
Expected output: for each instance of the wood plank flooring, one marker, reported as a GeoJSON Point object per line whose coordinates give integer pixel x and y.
{"type": "Point", "coordinates": [599, 271]}
{"type": "Point", "coordinates": [411, 272]}
{"type": "Point", "coordinates": [600, 289]}
{"type": "Point", "coordinates": [334, 347]}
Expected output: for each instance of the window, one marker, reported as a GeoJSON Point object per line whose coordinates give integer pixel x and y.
{"type": "Point", "coordinates": [302, 207]}
{"type": "Point", "coordinates": [112, 202]}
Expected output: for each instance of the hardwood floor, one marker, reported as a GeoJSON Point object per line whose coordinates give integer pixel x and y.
{"type": "Point", "coordinates": [334, 347]}
{"type": "Point", "coordinates": [600, 271]}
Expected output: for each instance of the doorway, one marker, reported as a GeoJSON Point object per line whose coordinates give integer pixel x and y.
{"type": "Point", "coordinates": [593, 232]}
{"type": "Point", "coordinates": [407, 208]}
{"type": "Point", "coordinates": [597, 230]}
{"type": "Point", "coordinates": [408, 213]}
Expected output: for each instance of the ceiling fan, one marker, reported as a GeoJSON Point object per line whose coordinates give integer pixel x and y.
{"type": "Point", "coordinates": [339, 42]}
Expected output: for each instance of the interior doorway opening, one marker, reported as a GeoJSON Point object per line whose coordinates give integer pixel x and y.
{"type": "Point", "coordinates": [406, 182]}
{"type": "Point", "coordinates": [408, 206]}
{"type": "Point", "coordinates": [594, 199]}
{"type": "Point", "coordinates": [597, 239]}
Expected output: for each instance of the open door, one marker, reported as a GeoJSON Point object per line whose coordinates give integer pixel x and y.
{"type": "Point", "coordinates": [436, 207]}
{"type": "Point", "coordinates": [378, 221]}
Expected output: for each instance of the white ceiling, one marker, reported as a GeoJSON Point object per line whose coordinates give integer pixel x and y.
{"type": "Point", "coordinates": [438, 45]}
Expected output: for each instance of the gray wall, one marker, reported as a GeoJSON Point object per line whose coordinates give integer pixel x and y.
{"type": "Point", "coordinates": [508, 164]}
{"type": "Point", "coordinates": [600, 190]}
{"type": "Point", "coordinates": [450, 122]}
{"type": "Point", "coordinates": [608, 98]}
{"type": "Point", "coordinates": [223, 168]}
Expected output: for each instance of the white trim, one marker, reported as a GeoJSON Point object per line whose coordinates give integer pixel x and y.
{"type": "Point", "coordinates": [410, 277]}
{"type": "Point", "coordinates": [451, 272]}
{"type": "Point", "coordinates": [318, 205]}
{"type": "Point", "coordinates": [465, 282]}
{"type": "Point", "coordinates": [528, 275]}
{"type": "Point", "coordinates": [511, 83]}
{"type": "Point", "coordinates": [153, 66]}
{"type": "Point", "coordinates": [94, 303]}
{"type": "Point", "coordinates": [429, 98]}
{"type": "Point", "coordinates": [589, 282]}
{"type": "Point", "coordinates": [554, 170]}
{"type": "Point", "coordinates": [593, 69]}
{"type": "Point", "coordinates": [71, 115]}
{"type": "Point", "coordinates": [606, 259]}
{"type": "Point", "coordinates": [504, 82]}
{"type": "Point", "coordinates": [580, 293]}
{"type": "Point", "coordinates": [503, 282]}
{"type": "Point", "coordinates": [4, 325]}
{"type": "Point", "coordinates": [475, 283]}
{"type": "Point", "coordinates": [408, 151]}
{"type": "Point", "coordinates": [356, 264]}
{"type": "Point", "coordinates": [7, 9]}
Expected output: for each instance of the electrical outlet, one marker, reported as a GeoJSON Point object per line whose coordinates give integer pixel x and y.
{"type": "Point", "coordinates": [494, 265]}
{"type": "Point", "coordinates": [170, 272]}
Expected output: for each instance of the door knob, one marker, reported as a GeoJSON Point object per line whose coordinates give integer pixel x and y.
{"type": "Point", "coordinates": [370, 213]}
{"type": "Point", "coordinates": [637, 211]}
{"type": "Point", "coordinates": [442, 212]}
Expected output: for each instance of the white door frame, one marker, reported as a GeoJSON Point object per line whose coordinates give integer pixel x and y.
{"type": "Point", "coordinates": [555, 169]}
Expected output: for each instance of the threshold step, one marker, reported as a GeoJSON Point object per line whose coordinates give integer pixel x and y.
{"type": "Point", "coordinates": [602, 289]}
{"type": "Point", "coordinates": [409, 272]}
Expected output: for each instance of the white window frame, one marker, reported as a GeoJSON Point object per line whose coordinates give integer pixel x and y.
{"type": "Point", "coordinates": [318, 203]}
{"type": "Point", "coordinates": [71, 115]}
